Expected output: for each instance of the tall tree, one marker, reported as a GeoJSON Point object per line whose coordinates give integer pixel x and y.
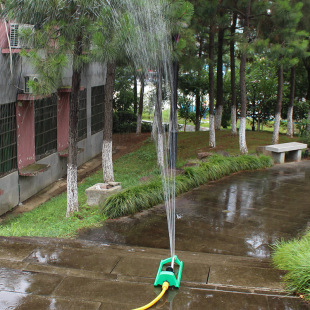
{"type": "Point", "coordinates": [243, 59]}
{"type": "Point", "coordinates": [233, 75]}
{"type": "Point", "coordinates": [107, 161]}
{"type": "Point", "coordinates": [219, 72]}
{"type": "Point", "coordinates": [140, 111]}
{"type": "Point", "coordinates": [286, 40]}
{"type": "Point", "coordinates": [212, 142]}
{"type": "Point", "coordinates": [290, 124]}
{"type": "Point", "coordinates": [108, 48]}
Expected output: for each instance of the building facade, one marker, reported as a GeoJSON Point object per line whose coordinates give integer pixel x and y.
{"type": "Point", "coordinates": [34, 130]}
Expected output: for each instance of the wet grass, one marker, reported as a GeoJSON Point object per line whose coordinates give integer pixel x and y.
{"type": "Point", "coordinates": [293, 257]}
{"type": "Point", "coordinates": [134, 169]}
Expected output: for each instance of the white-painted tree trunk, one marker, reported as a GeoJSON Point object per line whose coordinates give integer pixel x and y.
{"type": "Point", "coordinates": [276, 130]}
{"type": "Point", "coordinates": [242, 139]}
{"type": "Point", "coordinates": [139, 120]}
{"type": "Point", "coordinates": [218, 117]}
{"type": "Point", "coordinates": [154, 125]}
{"type": "Point", "coordinates": [159, 119]}
{"type": "Point", "coordinates": [290, 125]}
{"type": "Point", "coordinates": [107, 162]}
{"type": "Point", "coordinates": [160, 149]}
{"type": "Point", "coordinates": [72, 193]}
{"type": "Point", "coordinates": [139, 124]}
{"type": "Point", "coordinates": [211, 131]}
{"type": "Point", "coordinates": [234, 120]}
{"type": "Point", "coordinates": [107, 144]}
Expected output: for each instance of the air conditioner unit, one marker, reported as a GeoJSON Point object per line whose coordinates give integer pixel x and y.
{"type": "Point", "coordinates": [15, 39]}
{"type": "Point", "coordinates": [28, 89]}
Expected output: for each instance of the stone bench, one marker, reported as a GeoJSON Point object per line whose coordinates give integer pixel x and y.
{"type": "Point", "coordinates": [278, 151]}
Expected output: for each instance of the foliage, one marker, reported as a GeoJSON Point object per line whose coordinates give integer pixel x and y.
{"type": "Point", "coordinates": [144, 196]}
{"type": "Point", "coordinates": [126, 121]}
{"type": "Point", "coordinates": [293, 257]}
{"type": "Point", "coordinates": [185, 109]}
{"type": "Point", "coordinates": [123, 91]}
{"type": "Point", "coordinates": [303, 131]}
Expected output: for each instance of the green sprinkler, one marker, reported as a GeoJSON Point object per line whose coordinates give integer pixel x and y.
{"type": "Point", "coordinates": [168, 275]}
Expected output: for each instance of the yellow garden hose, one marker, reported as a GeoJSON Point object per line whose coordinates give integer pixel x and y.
{"type": "Point", "coordinates": [152, 303]}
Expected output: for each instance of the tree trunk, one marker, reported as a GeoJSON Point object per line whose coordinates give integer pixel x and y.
{"type": "Point", "coordinates": [219, 89]}
{"type": "Point", "coordinates": [72, 189]}
{"type": "Point", "coordinates": [290, 124]}
{"type": "Point", "coordinates": [242, 137]}
{"type": "Point", "coordinates": [233, 77]}
{"type": "Point", "coordinates": [197, 105]}
{"type": "Point", "coordinates": [308, 93]}
{"type": "Point", "coordinates": [197, 92]}
{"type": "Point", "coordinates": [212, 143]}
{"type": "Point", "coordinates": [139, 121]}
{"type": "Point", "coordinates": [135, 95]}
{"type": "Point", "coordinates": [154, 125]}
{"type": "Point", "coordinates": [173, 125]}
{"type": "Point", "coordinates": [277, 119]}
{"type": "Point", "coordinates": [107, 162]}
{"type": "Point", "coordinates": [159, 121]}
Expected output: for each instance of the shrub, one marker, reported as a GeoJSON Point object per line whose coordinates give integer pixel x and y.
{"type": "Point", "coordinates": [123, 121]}
{"type": "Point", "coordinates": [293, 257]}
{"type": "Point", "coordinates": [126, 121]}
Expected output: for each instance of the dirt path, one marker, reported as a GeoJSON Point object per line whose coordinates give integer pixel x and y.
{"type": "Point", "coordinates": [122, 144]}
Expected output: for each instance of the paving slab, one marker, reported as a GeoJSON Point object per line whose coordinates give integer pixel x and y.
{"type": "Point", "coordinates": [28, 282]}
{"type": "Point", "coordinates": [75, 274]}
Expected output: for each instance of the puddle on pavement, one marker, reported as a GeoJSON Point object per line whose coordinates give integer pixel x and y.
{"type": "Point", "coordinates": [240, 215]}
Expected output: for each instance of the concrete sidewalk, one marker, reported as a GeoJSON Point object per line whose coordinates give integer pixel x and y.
{"type": "Point", "coordinates": [40, 273]}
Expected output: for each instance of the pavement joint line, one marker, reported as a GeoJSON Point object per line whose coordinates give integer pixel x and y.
{"type": "Point", "coordinates": [116, 264]}
{"type": "Point", "coordinates": [207, 281]}
{"type": "Point", "coordinates": [55, 288]}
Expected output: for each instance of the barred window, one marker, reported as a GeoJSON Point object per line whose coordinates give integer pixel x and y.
{"type": "Point", "coordinates": [82, 126]}
{"type": "Point", "coordinates": [45, 126]}
{"type": "Point", "coordinates": [8, 145]}
{"type": "Point", "coordinates": [97, 102]}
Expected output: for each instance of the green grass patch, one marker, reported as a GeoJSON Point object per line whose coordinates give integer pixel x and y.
{"type": "Point", "coordinates": [293, 257]}
{"type": "Point", "coordinates": [144, 196]}
{"type": "Point", "coordinates": [134, 170]}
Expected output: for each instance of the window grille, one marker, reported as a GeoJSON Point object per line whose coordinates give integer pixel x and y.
{"type": "Point", "coordinates": [8, 145]}
{"type": "Point", "coordinates": [45, 126]}
{"type": "Point", "coordinates": [97, 105]}
{"type": "Point", "coordinates": [14, 42]}
{"type": "Point", "coordinates": [82, 126]}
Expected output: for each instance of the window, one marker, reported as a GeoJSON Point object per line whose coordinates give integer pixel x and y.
{"type": "Point", "coordinates": [45, 126]}
{"type": "Point", "coordinates": [8, 145]}
{"type": "Point", "coordinates": [97, 104]}
{"type": "Point", "coordinates": [82, 126]}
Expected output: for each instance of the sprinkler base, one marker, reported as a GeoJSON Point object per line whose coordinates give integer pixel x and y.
{"type": "Point", "coordinates": [168, 275]}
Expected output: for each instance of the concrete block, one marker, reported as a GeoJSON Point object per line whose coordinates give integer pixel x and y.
{"type": "Point", "coordinates": [99, 192]}
{"type": "Point", "coordinates": [278, 158]}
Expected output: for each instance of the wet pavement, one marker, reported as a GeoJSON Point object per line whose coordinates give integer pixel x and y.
{"type": "Point", "coordinates": [223, 235]}
{"type": "Point", "coordinates": [39, 273]}
{"type": "Point", "coordinates": [239, 215]}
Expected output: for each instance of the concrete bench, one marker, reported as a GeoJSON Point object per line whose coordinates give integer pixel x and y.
{"type": "Point", "coordinates": [278, 151]}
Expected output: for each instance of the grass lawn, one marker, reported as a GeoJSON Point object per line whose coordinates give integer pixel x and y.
{"type": "Point", "coordinates": [49, 219]}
